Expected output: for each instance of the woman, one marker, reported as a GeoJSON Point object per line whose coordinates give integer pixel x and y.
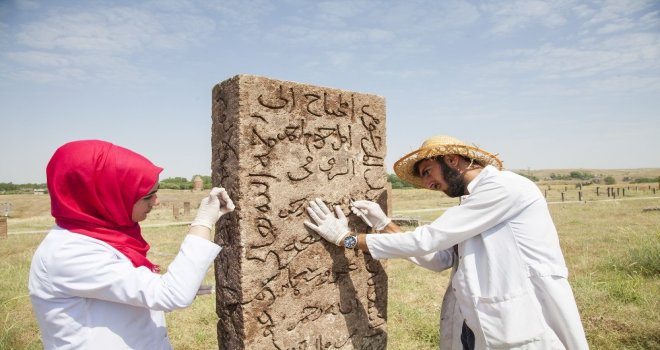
{"type": "Point", "coordinates": [91, 283]}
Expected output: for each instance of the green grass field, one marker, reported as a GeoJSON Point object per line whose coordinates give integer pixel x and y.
{"type": "Point", "coordinates": [612, 248]}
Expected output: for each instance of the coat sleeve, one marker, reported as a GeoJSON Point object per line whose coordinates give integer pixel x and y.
{"type": "Point", "coordinates": [91, 270]}
{"type": "Point", "coordinates": [489, 205]}
{"type": "Point", "coordinates": [438, 261]}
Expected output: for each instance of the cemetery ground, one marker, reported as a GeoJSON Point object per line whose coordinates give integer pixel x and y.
{"type": "Point", "coordinates": [611, 246]}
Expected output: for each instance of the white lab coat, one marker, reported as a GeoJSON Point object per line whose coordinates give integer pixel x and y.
{"type": "Point", "coordinates": [511, 283]}
{"type": "Point", "coordinates": [451, 320]}
{"type": "Point", "coordinates": [88, 295]}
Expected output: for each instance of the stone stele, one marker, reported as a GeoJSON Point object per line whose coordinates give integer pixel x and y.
{"type": "Point", "coordinates": [276, 146]}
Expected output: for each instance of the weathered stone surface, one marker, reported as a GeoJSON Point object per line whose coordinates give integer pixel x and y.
{"type": "Point", "coordinates": [277, 145]}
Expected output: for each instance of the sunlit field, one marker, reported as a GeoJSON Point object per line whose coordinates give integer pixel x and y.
{"type": "Point", "coordinates": [612, 248]}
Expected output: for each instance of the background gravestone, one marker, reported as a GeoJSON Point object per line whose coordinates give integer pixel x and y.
{"type": "Point", "coordinates": [276, 146]}
{"type": "Point", "coordinates": [198, 183]}
{"type": "Point", "coordinates": [3, 227]}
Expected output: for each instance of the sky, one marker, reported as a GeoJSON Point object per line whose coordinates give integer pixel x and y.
{"type": "Point", "coordinates": [561, 84]}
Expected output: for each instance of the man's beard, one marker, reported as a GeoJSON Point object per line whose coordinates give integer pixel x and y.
{"type": "Point", "coordinates": [454, 180]}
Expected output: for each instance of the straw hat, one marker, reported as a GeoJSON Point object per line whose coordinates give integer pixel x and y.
{"type": "Point", "coordinates": [438, 146]}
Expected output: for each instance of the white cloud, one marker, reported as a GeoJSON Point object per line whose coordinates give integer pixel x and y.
{"type": "Point", "coordinates": [49, 76]}
{"type": "Point", "coordinates": [46, 67]}
{"type": "Point", "coordinates": [650, 20]}
{"type": "Point", "coordinates": [340, 59]}
{"type": "Point", "coordinates": [4, 35]}
{"type": "Point", "coordinates": [615, 47]}
{"type": "Point", "coordinates": [118, 30]}
{"type": "Point", "coordinates": [339, 13]}
{"type": "Point", "coordinates": [583, 11]}
{"type": "Point", "coordinates": [40, 59]}
{"type": "Point", "coordinates": [624, 82]}
{"type": "Point", "coordinates": [241, 13]}
{"type": "Point", "coordinates": [624, 64]}
{"type": "Point", "coordinates": [406, 74]}
{"type": "Point", "coordinates": [615, 27]}
{"type": "Point", "coordinates": [371, 27]}
{"type": "Point", "coordinates": [510, 16]}
{"type": "Point", "coordinates": [602, 17]}
{"type": "Point", "coordinates": [27, 4]}
{"type": "Point", "coordinates": [622, 12]}
{"type": "Point", "coordinates": [101, 42]}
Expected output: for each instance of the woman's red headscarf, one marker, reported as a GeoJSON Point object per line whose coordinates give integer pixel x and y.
{"type": "Point", "coordinates": [93, 186]}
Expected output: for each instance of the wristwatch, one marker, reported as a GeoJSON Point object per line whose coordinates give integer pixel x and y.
{"type": "Point", "coordinates": [350, 242]}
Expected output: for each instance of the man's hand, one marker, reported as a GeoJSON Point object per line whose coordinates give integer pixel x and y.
{"type": "Point", "coordinates": [333, 229]}
{"type": "Point", "coordinates": [211, 208]}
{"type": "Point", "coordinates": [375, 217]}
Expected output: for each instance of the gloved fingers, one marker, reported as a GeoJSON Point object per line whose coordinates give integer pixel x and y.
{"type": "Point", "coordinates": [317, 210]}
{"type": "Point", "coordinates": [313, 214]}
{"type": "Point", "coordinates": [226, 202]}
{"type": "Point", "coordinates": [311, 226]}
{"type": "Point", "coordinates": [213, 196]}
{"type": "Point", "coordinates": [215, 191]}
{"type": "Point", "coordinates": [323, 207]}
{"type": "Point", "coordinates": [340, 213]}
{"type": "Point", "coordinates": [363, 204]}
{"type": "Point", "coordinates": [359, 211]}
{"type": "Point", "coordinates": [209, 200]}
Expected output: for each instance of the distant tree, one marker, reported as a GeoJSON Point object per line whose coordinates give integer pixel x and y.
{"type": "Point", "coordinates": [573, 175]}
{"type": "Point", "coordinates": [208, 183]}
{"type": "Point", "coordinates": [529, 176]}
{"type": "Point", "coordinates": [609, 180]}
{"type": "Point", "coordinates": [554, 176]}
{"type": "Point", "coordinates": [9, 187]}
{"type": "Point", "coordinates": [644, 180]}
{"type": "Point", "coordinates": [176, 183]}
{"type": "Point", "coordinates": [581, 175]}
{"type": "Point", "coordinates": [397, 182]}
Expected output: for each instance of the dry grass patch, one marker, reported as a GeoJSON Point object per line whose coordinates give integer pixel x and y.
{"type": "Point", "coordinates": [612, 250]}
{"type": "Point", "coordinates": [17, 322]}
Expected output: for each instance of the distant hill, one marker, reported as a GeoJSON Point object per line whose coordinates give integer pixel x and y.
{"type": "Point", "coordinates": [620, 175]}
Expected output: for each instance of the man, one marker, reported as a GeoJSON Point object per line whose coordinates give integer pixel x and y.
{"type": "Point", "coordinates": [510, 279]}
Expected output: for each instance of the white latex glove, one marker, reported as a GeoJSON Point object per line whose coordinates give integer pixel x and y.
{"type": "Point", "coordinates": [211, 208]}
{"type": "Point", "coordinates": [375, 217]}
{"type": "Point", "coordinates": [333, 229]}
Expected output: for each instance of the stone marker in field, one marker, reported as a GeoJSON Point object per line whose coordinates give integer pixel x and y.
{"type": "Point", "coordinates": [276, 146]}
{"type": "Point", "coordinates": [3, 227]}
{"type": "Point", "coordinates": [198, 183]}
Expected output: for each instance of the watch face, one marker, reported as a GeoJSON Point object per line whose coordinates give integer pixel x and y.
{"type": "Point", "coordinates": [350, 242]}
